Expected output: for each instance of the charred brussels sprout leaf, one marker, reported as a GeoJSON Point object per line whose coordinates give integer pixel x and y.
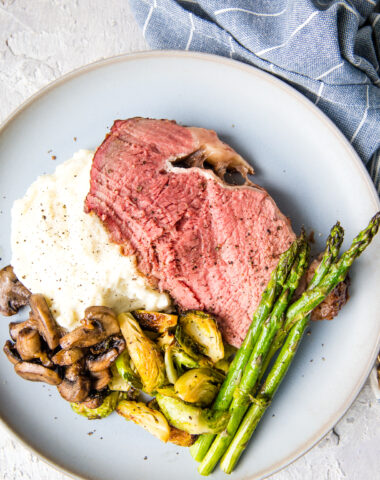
{"type": "Point", "coordinates": [166, 339]}
{"type": "Point", "coordinates": [105, 409]}
{"type": "Point", "coordinates": [191, 419]}
{"type": "Point", "coordinates": [181, 438]}
{"type": "Point", "coordinates": [203, 330]}
{"type": "Point", "coordinates": [199, 386]}
{"type": "Point", "coordinates": [145, 354]}
{"type": "Point", "coordinates": [155, 321]}
{"type": "Point", "coordinates": [148, 418]}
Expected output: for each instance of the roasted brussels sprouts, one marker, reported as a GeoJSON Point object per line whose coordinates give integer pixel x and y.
{"type": "Point", "coordinates": [150, 419]}
{"type": "Point", "coordinates": [191, 419]}
{"type": "Point", "coordinates": [144, 353]}
{"type": "Point", "coordinates": [202, 329]}
{"type": "Point", "coordinates": [165, 340]}
{"type": "Point", "coordinates": [155, 321]}
{"type": "Point", "coordinates": [181, 438]}
{"type": "Point", "coordinates": [171, 371]}
{"type": "Point", "coordinates": [183, 360]}
{"type": "Point", "coordinates": [105, 409]}
{"type": "Point", "coordinates": [199, 386]}
{"type": "Point", "coordinates": [125, 370]}
{"type": "Point", "coordinates": [119, 384]}
{"type": "Point", "coordinates": [229, 353]}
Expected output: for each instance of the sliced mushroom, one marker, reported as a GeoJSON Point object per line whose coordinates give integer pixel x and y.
{"type": "Point", "coordinates": [101, 379]}
{"type": "Point", "coordinates": [28, 343]}
{"type": "Point", "coordinates": [37, 373]}
{"type": "Point", "coordinates": [13, 294]}
{"type": "Point", "coordinates": [10, 351]}
{"type": "Point", "coordinates": [105, 360]}
{"type": "Point", "coordinates": [47, 326]}
{"type": "Point", "coordinates": [106, 317]}
{"type": "Point", "coordinates": [68, 357]}
{"type": "Point", "coordinates": [15, 327]}
{"type": "Point", "coordinates": [95, 399]}
{"type": "Point", "coordinates": [75, 387]}
{"type": "Point", "coordinates": [98, 324]}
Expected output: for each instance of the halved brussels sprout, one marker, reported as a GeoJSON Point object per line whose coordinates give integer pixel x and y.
{"type": "Point", "coordinates": [125, 370]}
{"type": "Point", "coordinates": [165, 340]}
{"type": "Point", "coordinates": [192, 419]}
{"type": "Point", "coordinates": [183, 360]}
{"type": "Point", "coordinates": [155, 321]}
{"type": "Point", "coordinates": [199, 386]}
{"type": "Point", "coordinates": [150, 419]}
{"type": "Point", "coordinates": [167, 391]}
{"type": "Point", "coordinates": [181, 438]}
{"type": "Point", "coordinates": [171, 371]}
{"type": "Point", "coordinates": [144, 353]}
{"type": "Point", "coordinates": [202, 329]}
{"type": "Point", "coordinates": [119, 384]}
{"type": "Point", "coordinates": [224, 363]}
{"type": "Point", "coordinates": [105, 409]}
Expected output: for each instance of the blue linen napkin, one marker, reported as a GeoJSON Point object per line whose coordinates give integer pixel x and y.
{"type": "Point", "coordinates": [328, 50]}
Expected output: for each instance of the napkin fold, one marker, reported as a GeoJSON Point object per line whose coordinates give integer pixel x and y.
{"type": "Point", "coordinates": [328, 50]}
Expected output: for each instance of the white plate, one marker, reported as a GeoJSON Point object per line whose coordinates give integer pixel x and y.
{"type": "Point", "coordinates": [307, 166]}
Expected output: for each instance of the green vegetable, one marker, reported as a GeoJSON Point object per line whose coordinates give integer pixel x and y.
{"type": "Point", "coordinates": [252, 371]}
{"type": "Point", "coordinates": [203, 330]}
{"type": "Point", "coordinates": [325, 282]}
{"type": "Point", "coordinates": [191, 419]}
{"type": "Point", "coordinates": [183, 360]}
{"type": "Point", "coordinates": [225, 395]}
{"type": "Point", "coordinates": [105, 409]}
{"type": "Point", "coordinates": [171, 371]}
{"type": "Point", "coordinates": [148, 418]}
{"type": "Point", "coordinates": [126, 372]}
{"type": "Point", "coordinates": [145, 354]}
{"type": "Point", "coordinates": [199, 385]}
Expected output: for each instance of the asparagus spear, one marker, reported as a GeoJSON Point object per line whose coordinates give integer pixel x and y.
{"type": "Point", "coordinates": [331, 252]}
{"type": "Point", "coordinates": [259, 405]}
{"type": "Point", "coordinates": [277, 280]}
{"type": "Point", "coordinates": [242, 393]}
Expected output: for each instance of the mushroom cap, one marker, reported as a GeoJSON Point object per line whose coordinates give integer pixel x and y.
{"type": "Point", "coordinates": [13, 294]}
{"type": "Point", "coordinates": [37, 373]}
{"type": "Point", "coordinates": [98, 324]}
{"type": "Point", "coordinates": [47, 326]}
{"type": "Point", "coordinates": [75, 390]}
{"type": "Point", "coordinates": [28, 343]}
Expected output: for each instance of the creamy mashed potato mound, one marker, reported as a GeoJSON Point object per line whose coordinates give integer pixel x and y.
{"type": "Point", "coordinates": [65, 254]}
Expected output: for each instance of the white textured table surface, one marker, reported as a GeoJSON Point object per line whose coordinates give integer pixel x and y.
{"type": "Point", "coordinates": [40, 40]}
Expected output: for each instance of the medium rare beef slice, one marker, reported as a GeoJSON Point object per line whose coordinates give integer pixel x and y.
{"type": "Point", "coordinates": [210, 245]}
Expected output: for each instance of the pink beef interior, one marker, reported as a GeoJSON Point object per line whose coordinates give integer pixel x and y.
{"type": "Point", "coordinates": [211, 246]}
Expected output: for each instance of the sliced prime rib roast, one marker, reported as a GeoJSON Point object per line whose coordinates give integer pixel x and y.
{"type": "Point", "coordinates": [212, 246]}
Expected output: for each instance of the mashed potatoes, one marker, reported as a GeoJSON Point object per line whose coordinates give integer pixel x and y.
{"type": "Point", "coordinates": [65, 254]}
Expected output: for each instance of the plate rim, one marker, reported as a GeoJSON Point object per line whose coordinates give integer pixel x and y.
{"type": "Point", "coordinates": [277, 82]}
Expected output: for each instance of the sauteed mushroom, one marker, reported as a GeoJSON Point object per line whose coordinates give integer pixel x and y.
{"type": "Point", "coordinates": [16, 327]}
{"type": "Point", "coordinates": [68, 357]}
{"type": "Point", "coordinates": [98, 324]}
{"type": "Point", "coordinates": [37, 373]}
{"type": "Point", "coordinates": [47, 326]}
{"type": "Point", "coordinates": [95, 399]}
{"type": "Point", "coordinates": [10, 351]}
{"type": "Point", "coordinates": [101, 379]}
{"type": "Point", "coordinates": [13, 294]}
{"type": "Point", "coordinates": [28, 343]}
{"type": "Point", "coordinates": [116, 346]}
{"type": "Point", "coordinates": [75, 387]}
